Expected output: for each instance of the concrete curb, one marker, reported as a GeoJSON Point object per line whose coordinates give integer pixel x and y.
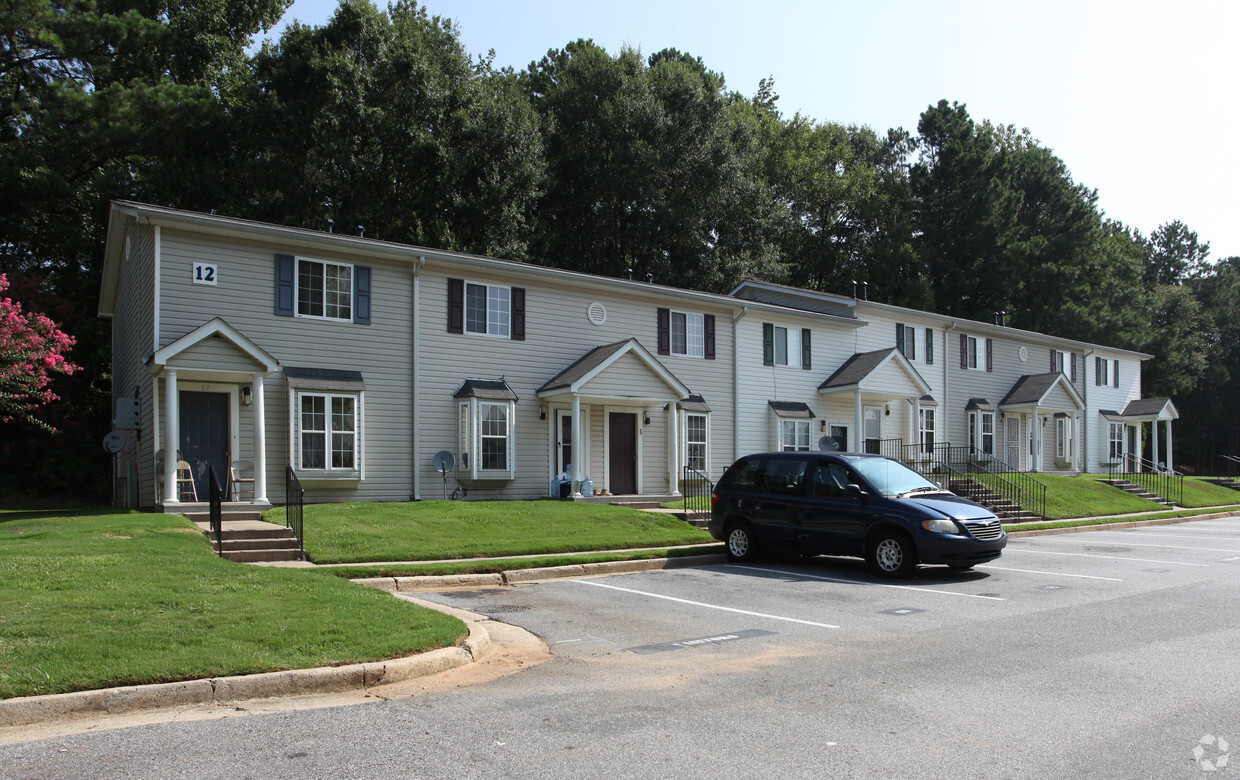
{"type": "Point", "coordinates": [1115, 526]}
{"type": "Point", "coordinates": [30, 710]}
{"type": "Point", "coordinates": [516, 576]}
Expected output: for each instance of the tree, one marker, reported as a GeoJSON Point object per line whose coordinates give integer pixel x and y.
{"type": "Point", "coordinates": [32, 351]}
{"type": "Point", "coordinates": [1175, 255]}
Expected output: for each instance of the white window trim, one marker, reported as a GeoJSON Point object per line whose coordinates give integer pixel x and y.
{"type": "Point", "coordinates": [297, 289]}
{"type": "Point", "coordinates": [355, 474]}
{"type": "Point", "coordinates": [976, 350]}
{"type": "Point", "coordinates": [809, 428]}
{"type": "Point", "coordinates": [923, 429]}
{"type": "Point", "coordinates": [910, 343]}
{"type": "Point", "coordinates": [977, 430]}
{"type": "Point", "coordinates": [507, 324]}
{"type": "Point", "coordinates": [1063, 439]}
{"type": "Point", "coordinates": [684, 451]}
{"type": "Point", "coordinates": [692, 350]}
{"type": "Point", "coordinates": [792, 355]}
{"type": "Point", "coordinates": [469, 440]}
{"type": "Point", "coordinates": [1112, 427]}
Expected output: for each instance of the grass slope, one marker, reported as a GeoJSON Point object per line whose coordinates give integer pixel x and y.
{"type": "Point", "coordinates": [99, 600]}
{"type": "Point", "coordinates": [432, 530]}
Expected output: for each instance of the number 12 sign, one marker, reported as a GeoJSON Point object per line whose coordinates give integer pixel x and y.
{"type": "Point", "coordinates": [204, 273]}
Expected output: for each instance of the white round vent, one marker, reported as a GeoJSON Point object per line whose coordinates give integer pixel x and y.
{"type": "Point", "coordinates": [597, 313]}
{"type": "Point", "coordinates": [1024, 354]}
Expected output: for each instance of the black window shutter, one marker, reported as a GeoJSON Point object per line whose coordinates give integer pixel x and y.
{"type": "Point", "coordinates": [456, 305]}
{"type": "Point", "coordinates": [768, 344]}
{"type": "Point", "coordinates": [900, 338]}
{"type": "Point", "coordinates": [361, 294]}
{"type": "Point", "coordinates": [806, 352]}
{"type": "Point", "coordinates": [708, 336]}
{"type": "Point", "coordinates": [1115, 373]}
{"type": "Point", "coordinates": [518, 314]}
{"type": "Point", "coordinates": [665, 332]}
{"type": "Point", "coordinates": [1097, 372]}
{"type": "Point", "coordinates": [990, 363]}
{"type": "Point", "coordinates": [964, 351]}
{"type": "Point", "coordinates": [1073, 357]}
{"type": "Point", "coordinates": [1052, 360]}
{"type": "Point", "coordinates": [930, 346]}
{"type": "Point", "coordinates": [286, 270]}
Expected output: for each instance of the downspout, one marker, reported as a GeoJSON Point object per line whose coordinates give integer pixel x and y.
{"type": "Point", "coordinates": [947, 396]}
{"type": "Point", "coordinates": [736, 383]}
{"type": "Point", "coordinates": [1085, 416]}
{"type": "Point", "coordinates": [416, 378]}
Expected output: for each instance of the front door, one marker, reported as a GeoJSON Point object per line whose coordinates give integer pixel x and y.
{"type": "Point", "coordinates": [204, 438]}
{"type": "Point", "coordinates": [622, 453]}
{"type": "Point", "coordinates": [563, 441]}
{"type": "Point", "coordinates": [873, 429]}
{"type": "Point", "coordinates": [1013, 442]}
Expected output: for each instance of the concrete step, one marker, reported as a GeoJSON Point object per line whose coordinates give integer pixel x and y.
{"type": "Point", "coordinates": [282, 543]}
{"type": "Point", "coordinates": [261, 556]}
{"type": "Point", "coordinates": [228, 516]}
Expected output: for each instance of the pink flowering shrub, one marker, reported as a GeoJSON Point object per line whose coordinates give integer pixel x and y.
{"type": "Point", "coordinates": [32, 349]}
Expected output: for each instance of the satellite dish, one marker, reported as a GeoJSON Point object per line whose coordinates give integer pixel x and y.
{"type": "Point", "coordinates": [827, 444]}
{"type": "Point", "coordinates": [114, 442]}
{"type": "Point", "coordinates": [444, 461]}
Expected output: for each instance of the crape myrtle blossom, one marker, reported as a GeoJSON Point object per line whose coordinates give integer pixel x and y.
{"type": "Point", "coordinates": [32, 349]}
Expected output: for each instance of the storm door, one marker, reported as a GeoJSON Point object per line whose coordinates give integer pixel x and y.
{"type": "Point", "coordinates": [204, 437]}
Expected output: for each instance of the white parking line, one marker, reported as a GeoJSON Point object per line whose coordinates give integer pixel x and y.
{"type": "Point", "coordinates": [1010, 549]}
{"type": "Point", "coordinates": [1052, 573]}
{"type": "Point", "coordinates": [1138, 544]}
{"type": "Point", "coordinates": [861, 582]}
{"type": "Point", "coordinates": [703, 604]}
{"type": "Point", "coordinates": [1173, 536]}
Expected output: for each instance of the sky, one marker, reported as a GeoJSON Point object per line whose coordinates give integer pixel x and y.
{"type": "Point", "coordinates": [1140, 99]}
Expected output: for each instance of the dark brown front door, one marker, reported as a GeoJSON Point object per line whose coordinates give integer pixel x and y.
{"type": "Point", "coordinates": [622, 453]}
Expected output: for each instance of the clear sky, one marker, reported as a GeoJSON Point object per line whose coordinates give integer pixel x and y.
{"type": "Point", "coordinates": [1140, 99]}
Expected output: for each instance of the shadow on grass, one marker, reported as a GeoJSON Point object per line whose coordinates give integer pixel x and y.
{"type": "Point", "coordinates": [27, 510]}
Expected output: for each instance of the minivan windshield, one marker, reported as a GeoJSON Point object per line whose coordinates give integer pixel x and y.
{"type": "Point", "coordinates": [892, 478]}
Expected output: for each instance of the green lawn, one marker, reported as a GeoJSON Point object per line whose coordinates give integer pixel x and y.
{"type": "Point", "coordinates": [1199, 493]}
{"type": "Point", "coordinates": [432, 530]}
{"type": "Point", "coordinates": [93, 600]}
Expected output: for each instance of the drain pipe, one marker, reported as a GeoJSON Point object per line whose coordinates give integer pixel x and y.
{"type": "Point", "coordinates": [1085, 413]}
{"type": "Point", "coordinates": [736, 383]}
{"type": "Point", "coordinates": [416, 378]}
{"type": "Point", "coordinates": [947, 370]}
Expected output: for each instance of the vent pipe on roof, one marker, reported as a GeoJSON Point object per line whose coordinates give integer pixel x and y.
{"type": "Point", "coordinates": [854, 289]}
{"type": "Point", "coordinates": [649, 278]}
{"type": "Point", "coordinates": [628, 274]}
{"type": "Point", "coordinates": [865, 291]}
{"type": "Point", "coordinates": [1003, 318]}
{"type": "Point", "coordinates": [361, 231]}
{"type": "Point", "coordinates": [331, 225]}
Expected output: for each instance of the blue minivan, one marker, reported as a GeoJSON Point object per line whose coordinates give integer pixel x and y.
{"type": "Point", "coordinates": [867, 506]}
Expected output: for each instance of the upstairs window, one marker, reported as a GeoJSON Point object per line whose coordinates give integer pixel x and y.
{"type": "Point", "coordinates": [322, 290]}
{"type": "Point", "coordinates": [686, 334]}
{"type": "Point", "coordinates": [1101, 373]}
{"type": "Point", "coordinates": [975, 353]}
{"type": "Point", "coordinates": [486, 309]}
{"type": "Point", "coordinates": [906, 341]}
{"type": "Point", "coordinates": [786, 346]}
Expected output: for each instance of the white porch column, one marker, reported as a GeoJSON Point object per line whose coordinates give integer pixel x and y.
{"type": "Point", "coordinates": [1037, 441]}
{"type": "Point", "coordinates": [577, 448]}
{"type": "Point", "coordinates": [1170, 463]}
{"type": "Point", "coordinates": [916, 426]}
{"type": "Point", "coordinates": [673, 460]}
{"type": "Point", "coordinates": [172, 436]}
{"type": "Point", "coordinates": [1154, 454]}
{"type": "Point", "coordinates": [260, 442]}
{"type": "Point", "coordinates": [858, 442]}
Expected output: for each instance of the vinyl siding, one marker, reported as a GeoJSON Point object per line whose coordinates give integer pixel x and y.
{"type": "Point", "coordinates": [132, 340]}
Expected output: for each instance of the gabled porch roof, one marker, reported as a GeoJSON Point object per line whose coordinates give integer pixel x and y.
{"type": "Point", "coordinates": [595, 363]}
{"type": "Point", "coordinates": [216, 327]}
{"type": "Point", "coordinates": [1043, 390]}
{"type": "Point", "coordinates": [878, 371]}
{"type": "Point", "coordinates": [1147, 409]}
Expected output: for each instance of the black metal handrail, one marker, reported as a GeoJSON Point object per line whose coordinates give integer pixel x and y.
{"type": "Point", "coordinates": [294, 505]}
{"type": "Point", "coordinates": [697, 489]}
{"type": "Point", "coordinates": [968, 463]}
{"type": "Point", "coordinates": [215, 506]}
{"type": "Point", "coordinates": [1232, 463]}
{"type": "Point", "coordinates": [1167, 484]}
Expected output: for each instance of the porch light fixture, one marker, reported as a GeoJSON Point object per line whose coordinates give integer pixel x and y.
{"type": "Point", "coordinates": [822, 426]}
{"type": "Point", "coordinates": [645, 418]}
{"type": "Point", "coordinates": [247, 396]}
{"type": "Point", "coordinates": [542, 412]}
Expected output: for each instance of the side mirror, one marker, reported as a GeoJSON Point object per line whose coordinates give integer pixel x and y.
{"type": "Point", "coordinates": [854, 490]}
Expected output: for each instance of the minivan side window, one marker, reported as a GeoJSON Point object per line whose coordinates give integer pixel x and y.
{"type": "Point", "coordinates": [786, 476]}
{"type": "Point", "coordinates": [745, 475]}
{"type": "Point", "coordinates": [830, 479]}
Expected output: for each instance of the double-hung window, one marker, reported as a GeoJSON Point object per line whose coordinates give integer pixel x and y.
{"type": "Point", "coordinates": [906, 341]}
{"type": "Point", "coordinates": [785, 346]}
{"type": "Point", "coordinates": [486, 415]}
{"type": "Point", "coordinates": [794, 435]}
{"type": "Point", "coordinates": [927, 430]}
{"type": "Point", "coordinates": [487, 310]}
{"type": "Point", "coordinates": [1100, 371]}
{"type": "Point", "coordinates": [1063, 439]}
{"type": "Point", "coordinates": [326, 411]}
{"type": "Point", "coordinates": [688, 334]}
{"type": "Point", "coordinates": [975, 353]}
{"type": "Point", "coordinates": [1115, 442]}
{"type": "Point", "coordinates": [324, 290]}
{"type": "Point", "coordinates": [982, 431]}
{"type": "Point", "coordinates": [695, 442]}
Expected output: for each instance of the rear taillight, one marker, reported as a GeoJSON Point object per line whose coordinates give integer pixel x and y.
{"type": "Point", "coordinates": [714, 499]}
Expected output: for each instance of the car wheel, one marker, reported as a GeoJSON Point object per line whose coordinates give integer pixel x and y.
{"type": "Point", "coordinates": [741, 543]}
{"type": "Point", "coordinates": [893, 554]}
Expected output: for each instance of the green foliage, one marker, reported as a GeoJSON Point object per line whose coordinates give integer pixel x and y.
{"type": "Point", "coordinates": [149, 602]}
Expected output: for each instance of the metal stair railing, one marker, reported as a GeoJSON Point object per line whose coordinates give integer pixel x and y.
{"type": "Point", "coordinates": [1167, 484]}
{"type": "Point", "coordinates": [1233, 464]}
{"type": "Point", "coordinates": [697, 490]}
{"type": "Point", "coordinates": [969, 464]}
{"type": "Point", "coordinates": [215, 508]}
{"type": "Point", "coordinates": [294, 505]}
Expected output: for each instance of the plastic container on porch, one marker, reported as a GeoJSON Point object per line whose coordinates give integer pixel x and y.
{"type": "Point", "coordinates": [587, 487]}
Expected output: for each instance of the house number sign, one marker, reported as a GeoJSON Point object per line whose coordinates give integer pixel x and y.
{"type": "Point", "coordinates": [205, 273]}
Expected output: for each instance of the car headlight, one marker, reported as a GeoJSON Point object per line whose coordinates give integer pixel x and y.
{"type": "Point", "coordinates": [941, 526]}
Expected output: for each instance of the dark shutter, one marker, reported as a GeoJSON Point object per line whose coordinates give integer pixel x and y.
{"type": "Point", "coordinates": [768, 344]}
{"type": "Point", "coordinates": [1073, 358]}
{"type": "Point", "coordinates": [1052, 360]}
{"type": "Point", "coordinates": [665, 331]}
{"type": "Point", "coordinates": [286, 270]}
{"type": "Point", "coordinates": [990, 363]}
{"type": "Point", "coordinates": [805, 349]}
{"type": "Point", "coordinates": [1115, 373]}
{"type": "Point", "coordinates": [456, 305]}
{"type": "Point", "coordinates": [964, 350]}
{"type": "Point", "coordinates": [518, 314]}
{"type": "Point", "coordinates": [930, 346]}
{"type": "Point", "coordinates": [361, 294]}
{"type": "Point", "coordinates": [900, 338]}
{"type": "Point", "coordinates": [1097, 372]}
{"type": "Point", "coordinates": [708, 336]}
